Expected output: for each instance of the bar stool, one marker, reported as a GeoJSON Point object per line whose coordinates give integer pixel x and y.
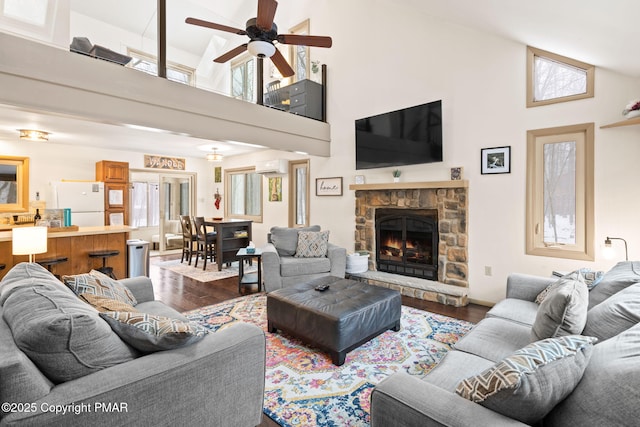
{"type": "Point", "coordinates": [104, 255]}
{"type": "Point", "coordinates": [49, 262]}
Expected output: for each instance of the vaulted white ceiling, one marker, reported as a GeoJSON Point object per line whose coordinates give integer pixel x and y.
{"type": "Point", "coordinates": [603, 33]}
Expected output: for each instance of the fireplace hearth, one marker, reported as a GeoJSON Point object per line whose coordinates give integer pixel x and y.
{"type": "Point", "coordinates": [407, 242]}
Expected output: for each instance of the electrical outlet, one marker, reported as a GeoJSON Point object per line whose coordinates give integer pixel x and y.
{"type": "Point", "coordinates": [487, 270]}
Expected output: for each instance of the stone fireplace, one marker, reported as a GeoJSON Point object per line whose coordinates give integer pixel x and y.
{"type": "Point", "coordinates": [442, 208]}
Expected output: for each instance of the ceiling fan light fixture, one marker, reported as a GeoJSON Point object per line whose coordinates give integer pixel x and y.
{"type": "Point", "coordinates": [34, 135]}
{"type": "Point", "coordinates": [261, 48]}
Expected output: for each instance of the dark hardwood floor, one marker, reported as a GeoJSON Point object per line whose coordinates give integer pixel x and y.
{"type": "Point", "coordinates": [183, 294]}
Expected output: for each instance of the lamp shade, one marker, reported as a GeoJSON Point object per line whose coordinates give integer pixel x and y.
{"type": "Point", "coordinates": [29, 241]}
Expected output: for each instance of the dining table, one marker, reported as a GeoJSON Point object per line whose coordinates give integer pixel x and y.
{"type": "Point", "coordinates": [231, 235]}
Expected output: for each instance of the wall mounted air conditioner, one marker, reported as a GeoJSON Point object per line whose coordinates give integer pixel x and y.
{"type": "Point", "coordinates": [272, 167]}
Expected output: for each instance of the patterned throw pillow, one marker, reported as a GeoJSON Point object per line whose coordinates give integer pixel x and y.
{"type": "Point", "coordinates": [533, 380]}
{"type": "Point", "coordinates": [103, 304]}
{"type": "Point", "coordinates": [148, 333]}
{"type": "Point", "coordinates": [99, 284]}
{"type": "Point", "coordinates": [312, 244]}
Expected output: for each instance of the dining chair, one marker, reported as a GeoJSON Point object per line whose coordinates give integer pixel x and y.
{"type": "Point", "coordinates": [188, 238]}
{"type": "Point", "coordinates": [205, 242]}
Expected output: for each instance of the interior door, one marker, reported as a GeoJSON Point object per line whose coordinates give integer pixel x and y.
{"type": "Point", "coordinates": [177, 197]}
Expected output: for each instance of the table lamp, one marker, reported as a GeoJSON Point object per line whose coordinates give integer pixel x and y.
{"type": "Point", "coordinates": [29, 241]}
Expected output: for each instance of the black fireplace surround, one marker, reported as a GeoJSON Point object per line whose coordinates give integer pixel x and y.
{"type": "Point", "coordinates": [407, 242]}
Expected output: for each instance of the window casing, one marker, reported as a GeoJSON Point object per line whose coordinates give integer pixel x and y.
{"type": "Point", "coordinates": [299, 193]}
{"type": "Point", "coordinates": [560, 192]}
{"type": "Point", "coordinates": [553, 78]}
{"type": "Point", "coordinates": [149, 64]}
{"type": "Point", "coordinates": [298, 54]}
{"type": "Point", "coordinates": [243, 78]}
{"type": "Point", "coordinates": [243, 194]}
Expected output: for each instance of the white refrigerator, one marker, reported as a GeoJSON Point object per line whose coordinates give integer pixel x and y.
{"type": "Point", "coordinates": [84, 198]}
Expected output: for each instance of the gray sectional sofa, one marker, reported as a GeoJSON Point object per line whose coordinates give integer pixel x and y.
{"type": "Point", "coordinates": [79, 372]}
{"type": "Point", "coordinates": [595, 385]}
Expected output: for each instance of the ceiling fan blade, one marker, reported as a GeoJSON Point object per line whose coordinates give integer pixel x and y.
{"type": "Point", "coordinates": [317, 41]}
{"type": "Point", "coordinates": [266, 13]}
{"type": "Point", "coordinates": [282, 65]}
{"type": "Point", "coordinates": [231, 54]}
{"type": "Point", "coordinates": [207, 24]}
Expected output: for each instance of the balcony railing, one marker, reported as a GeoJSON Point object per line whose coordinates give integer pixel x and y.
{"type": "Point", "coordinates": [127, 33]}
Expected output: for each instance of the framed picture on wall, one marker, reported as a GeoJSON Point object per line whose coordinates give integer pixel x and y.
{"type": "Point", "coordinates": [217, 174]}
{"type": "Point", "coordinates": [495, 160]}
{"type": "Point", "coordinates": [329, 186]}
{"type": "Point", "coordinates": [275, 189]}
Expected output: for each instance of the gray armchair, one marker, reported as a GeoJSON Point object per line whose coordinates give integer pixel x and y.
{"type": "Point", "coordinates": [281, 268]}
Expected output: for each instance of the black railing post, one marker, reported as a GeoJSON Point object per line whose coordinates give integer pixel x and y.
{"type": "Point", "coordinates": [260, 82]}
{"type": "Point", "coordinates": [324, 92]}
{"type": "Point", "coordinates": [162, 38]}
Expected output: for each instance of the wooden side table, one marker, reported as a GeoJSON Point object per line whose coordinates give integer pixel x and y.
{"type": "Point", "coordinates": [245, 279]}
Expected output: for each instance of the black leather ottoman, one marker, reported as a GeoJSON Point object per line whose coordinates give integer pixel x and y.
{"type": "Point", "coordinates": [338, 320]}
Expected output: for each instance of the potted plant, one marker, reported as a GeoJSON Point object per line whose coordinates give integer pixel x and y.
{"type": "Point", "coordinates": [396, 175]}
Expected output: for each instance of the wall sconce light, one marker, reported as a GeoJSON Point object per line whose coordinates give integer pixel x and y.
{"type": "Point", "coordinates": [608, 250]}
{"type": "Point", "coordinates": [34, 135]}
{"type": "Point", "coordinates": [29, 241]}
{"type": "Point", "coordinates": [215, 156]}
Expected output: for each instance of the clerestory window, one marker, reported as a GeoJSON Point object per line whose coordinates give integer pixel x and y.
{"type": "Point", "coordinates": [553, 78]}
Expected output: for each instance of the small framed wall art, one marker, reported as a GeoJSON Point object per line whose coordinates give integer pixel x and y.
{"type": "Point", "coordinates": [495, 160]}
{"type": "Point", "coordinates": [329, 186]}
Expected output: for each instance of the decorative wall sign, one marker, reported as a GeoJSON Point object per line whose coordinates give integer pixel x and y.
{"type": "Point", "coordinates": [161, 162]}
{"type": "Point", "coordinates": [495, 160]}
{"type": "Point", "coordinates": [217, 174]}
{"type": "Point", "coordinates": [329, 186]}
{"type": "Point", "coordinates": [275, 189]}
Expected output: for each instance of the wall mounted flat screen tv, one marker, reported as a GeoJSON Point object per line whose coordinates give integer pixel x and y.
{"type": "Point", "coordinates": [404, 137]}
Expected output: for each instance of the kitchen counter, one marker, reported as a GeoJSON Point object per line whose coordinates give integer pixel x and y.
{"type": "Point", "coordinates": [5, 236]}
{"type": "Point", "coordinates": [75, 246]}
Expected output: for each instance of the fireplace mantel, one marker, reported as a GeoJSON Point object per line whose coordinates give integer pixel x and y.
{"type": "Point", "coordinates": [410, 185]}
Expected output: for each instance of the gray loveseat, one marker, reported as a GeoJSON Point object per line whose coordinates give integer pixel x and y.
{"type": "Point", "coordinates": [281, 268]}
{"type": "Point", "coordinates": [607, 392]}
{"type": "Point", "coordinates": [218, 380]}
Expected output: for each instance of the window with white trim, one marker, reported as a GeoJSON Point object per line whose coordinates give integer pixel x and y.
{"type": "Point", "coordinates": [149, 64]}
{"type": "Point", "coordinates": [553, 78]}
{"type": "Point", "coordinates": [243, 196]}
{"type": "Point", "coordinates": [560, 192]}
{"type": "Point", "coordinates": [243, 78]}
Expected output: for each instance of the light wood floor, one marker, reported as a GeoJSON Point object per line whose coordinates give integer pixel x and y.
{"type": "Point", "coordinates": [183, 294]}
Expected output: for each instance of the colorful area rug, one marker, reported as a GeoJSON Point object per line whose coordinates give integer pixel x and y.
{"type": "Point", "coordinates": [208, 275]}
{"type": "Point", "coordinates": [303, 387]}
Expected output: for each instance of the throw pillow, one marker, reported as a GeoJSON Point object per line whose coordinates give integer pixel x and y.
{"type": "Point", "coordinates": [62, 335]}
{"type": "Point", "coordinates": [533, 380]}
{"type": "Point", "coordinates": [148, 333]}
{"type": "Point", "coordinates": [100, 284]}
{"type": "Point", "coordinates": [614, 315]}
{"type": "Point", "coordinates": [563, 310]}
{"type": "Point", "coordinates": [285, 239]}
{"type": "Point", "coordinates": [622, 275]}
{"type": "Point", "coordinates": [103, 304]}
{"type": "Point", "coordinates": [312, 244]}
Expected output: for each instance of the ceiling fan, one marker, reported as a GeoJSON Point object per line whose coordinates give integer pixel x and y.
{"type": "Point", "coordinates": [263, 32]}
